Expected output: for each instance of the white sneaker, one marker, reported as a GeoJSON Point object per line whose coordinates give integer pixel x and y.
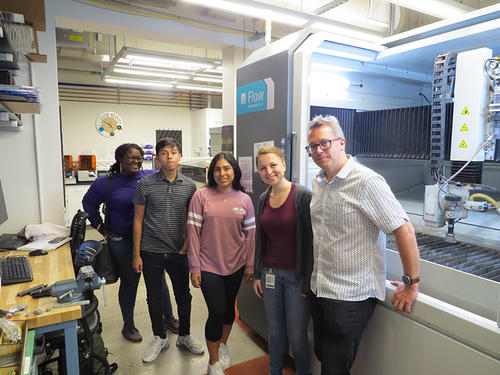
{"type": "Point", "coordinates": [189, 343]}
{"type": "Point", "coordinates": [224, 356]}
{"type": "Point", "coordinates": [215, 369]}
{"type": "Point", "coordinates": [157, 345]}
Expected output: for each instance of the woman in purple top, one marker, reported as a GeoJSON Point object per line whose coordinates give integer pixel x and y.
{"type": "Point", "coordinates": [283, 261]}
{"type": "Point", "coordinates": [124, 175]}
{"type": "Point", "coordinates": [221, 228]}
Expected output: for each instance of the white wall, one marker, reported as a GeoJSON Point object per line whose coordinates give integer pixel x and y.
{"type": "Point", "coordinates": [18, 170]}
{"type": "Point", "coordinates": [31, 166]}
{"type": "Point", "coordinates": [201, 121]}
{"type": "Point", "coordinates": [140, 124]}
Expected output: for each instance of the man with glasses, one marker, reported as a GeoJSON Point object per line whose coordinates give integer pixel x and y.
{"type": "Point", "coordinates": [352, 208]}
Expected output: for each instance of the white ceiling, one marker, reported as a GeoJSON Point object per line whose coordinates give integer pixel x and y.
{"type": "Point", "coordinates": [83, 64]}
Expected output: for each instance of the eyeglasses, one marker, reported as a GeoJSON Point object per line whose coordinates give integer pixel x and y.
{"type": "Point", "coordinates": [324, 144]}
{"type": "Point", "coordinates": [137, 159]}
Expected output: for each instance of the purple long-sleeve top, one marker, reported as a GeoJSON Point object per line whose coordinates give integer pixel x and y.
{"type": "Point", "coordinates": [121, 207]}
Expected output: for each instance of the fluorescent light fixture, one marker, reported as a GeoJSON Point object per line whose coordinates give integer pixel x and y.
{"type": "Point", "coordinates": [199, 88]}
{"type": "Point", "coordinates": [254, 9]}
{"type": "Point", "coordinates": [217, 71]}
{"type": "Point", "coordinates": [436, 8]}
{"type": "Point", "coordinates": [154, 69]}
{"type": "Point", "coordinates": [122, 60]}
{"type": "Point", "coordinates": [159, 61]}
{"type": "Point", "coordinates": [207, 79]}
{"type": "Point", "coordinates": [135, 82]}
{"type": "Point", "coordinates": [149, 73]}
{"type": "Point", "coordinates": [335, 29]}
{"type": "Point", "coordinates": [205, 75]}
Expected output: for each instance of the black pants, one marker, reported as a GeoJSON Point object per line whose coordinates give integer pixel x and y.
{"type": "Point", "coordinates": [338, 326]}
{"type": "Point", "coordinates": [220, 295]}
{"type": "Point", "coordinates": [177, 268]}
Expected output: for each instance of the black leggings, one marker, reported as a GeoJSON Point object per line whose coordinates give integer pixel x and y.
{"type": "Point", "coordinates": [220, 295]}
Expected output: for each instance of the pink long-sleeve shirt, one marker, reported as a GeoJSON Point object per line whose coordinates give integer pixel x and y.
{"type": "Point", "coordinates": [221, 232]}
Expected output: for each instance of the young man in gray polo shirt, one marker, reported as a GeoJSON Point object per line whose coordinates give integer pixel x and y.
{"type": "Point", "coordinates": [161, 202]}
{"type": "Point", "coordinates": [352, 208]}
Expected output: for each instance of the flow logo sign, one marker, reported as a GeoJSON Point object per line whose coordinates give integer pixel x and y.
{"type": "Point", "coordinates": [256, 96]}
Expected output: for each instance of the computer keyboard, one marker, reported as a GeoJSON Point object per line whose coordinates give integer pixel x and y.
{"type": "Point", "coordinates": [15, 270]}
{"type": "Point", "coordinates": [10, 241]}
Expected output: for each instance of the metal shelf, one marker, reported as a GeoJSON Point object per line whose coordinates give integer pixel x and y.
{"type": "Point", "coordinates": [6, 125]}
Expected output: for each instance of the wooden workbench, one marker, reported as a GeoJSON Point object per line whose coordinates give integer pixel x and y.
{"type": "Point", "coordinates": [47, 269]}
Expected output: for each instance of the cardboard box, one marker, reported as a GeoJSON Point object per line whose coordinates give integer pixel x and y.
{"type": "Point", "coordinates": [24, 350]}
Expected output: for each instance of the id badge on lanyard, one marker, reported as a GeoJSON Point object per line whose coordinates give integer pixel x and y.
{"type": "Point", "coordinates": [270, 279]}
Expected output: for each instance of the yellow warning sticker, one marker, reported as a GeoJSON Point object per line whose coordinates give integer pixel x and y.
{"type": "Point", "coordinates": [465, 111]}
{"type": "Point", "coordinates": [76, 38]}
{"type": "Point", "coordinates": [464, 128]}
{"type": "Point", "coordinates": [463, 144]}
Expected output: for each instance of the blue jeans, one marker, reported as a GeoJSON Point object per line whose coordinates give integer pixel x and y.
{"type": "Point", "coordinates": [287, 315]}
{"type": "Point", "coordinates": [121, 251]}
{"type": "Point", "coordinates": [154, 266]}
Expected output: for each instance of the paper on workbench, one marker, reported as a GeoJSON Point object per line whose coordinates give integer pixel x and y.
{"type": "Point", "coordinates": [45, 243]}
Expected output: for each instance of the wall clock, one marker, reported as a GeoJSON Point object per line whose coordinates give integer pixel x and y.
{"type": "Point", "coordinates": [109, 124]}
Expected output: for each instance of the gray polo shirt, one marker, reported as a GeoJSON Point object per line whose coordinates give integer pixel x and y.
{"type": "Point", "coordinates": [165, 216]}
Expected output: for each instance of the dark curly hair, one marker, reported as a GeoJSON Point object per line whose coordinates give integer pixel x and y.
{"type": "Point", "coordinates": [236, 168]}
{"type": "Point", "coordinates": [120, 153]}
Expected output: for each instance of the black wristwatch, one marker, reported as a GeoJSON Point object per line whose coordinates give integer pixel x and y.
{"type": "Point", "coordinates": [407, 280]}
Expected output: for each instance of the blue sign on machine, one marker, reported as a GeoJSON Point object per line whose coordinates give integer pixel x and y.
{"type": "Point", "coordinates": [256, 96]}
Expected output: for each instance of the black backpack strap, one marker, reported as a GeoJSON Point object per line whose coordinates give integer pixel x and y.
{"type": "Point", "coordinates": [107, 218]}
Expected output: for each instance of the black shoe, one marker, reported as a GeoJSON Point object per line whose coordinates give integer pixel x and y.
{"type": "Point", "coordinates": [171, 323]}
{"type": "Point", "coordinates": [131, 333]}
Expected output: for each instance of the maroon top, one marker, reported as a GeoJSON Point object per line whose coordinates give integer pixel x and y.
{"type": "Point", "coordinates": [280, 225]}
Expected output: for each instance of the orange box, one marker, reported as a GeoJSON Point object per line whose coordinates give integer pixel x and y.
{"type": "Point", "coordinates": [86, 163]}
{"type": "Point", "coordinates": [68, 163]}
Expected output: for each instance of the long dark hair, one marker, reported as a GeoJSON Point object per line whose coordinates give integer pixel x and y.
{"type": "Point", "coordinates": [236, 168]}
{"type": "Point", "coordinates": [120, 153]}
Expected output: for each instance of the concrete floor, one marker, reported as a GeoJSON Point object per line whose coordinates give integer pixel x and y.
{"type": "Point", "coordinates": [172, 361]}
{"type": "Point", "coordinates": [128, 355]}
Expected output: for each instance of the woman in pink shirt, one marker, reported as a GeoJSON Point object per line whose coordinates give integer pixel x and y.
{"type": "Point", "coordinates": [221, 228]}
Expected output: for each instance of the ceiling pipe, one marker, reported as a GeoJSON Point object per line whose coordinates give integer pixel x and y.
{"type": "Point", "coordinates": [328, 6]}
{"type": "Point", "coordinates": [260, 9]}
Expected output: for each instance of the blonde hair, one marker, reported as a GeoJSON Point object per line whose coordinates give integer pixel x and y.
{"type": "Point", "coordinates": [269, 150]}
{"type": "Point", "coordinates": [330, 121]}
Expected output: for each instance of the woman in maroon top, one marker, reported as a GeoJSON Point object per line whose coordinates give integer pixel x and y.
{"type": "Point", "coordinates": [283, 261]}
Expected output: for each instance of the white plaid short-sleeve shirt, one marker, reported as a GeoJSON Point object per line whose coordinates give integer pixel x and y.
{"type": "Point", "coordinates": [350, 216]}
